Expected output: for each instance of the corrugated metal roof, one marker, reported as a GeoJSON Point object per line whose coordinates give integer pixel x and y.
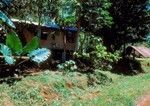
{"type": "Point", "coordinates": [24, 21]}
{"type": "Point", "coordinates": [73, 29]}
{"type": "Point", "coordinates": [143, 51]}
{"type": "Point", "coordinates": [52, 26]}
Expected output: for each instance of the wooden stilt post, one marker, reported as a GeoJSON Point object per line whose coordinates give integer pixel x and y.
{"type": "Point", "coordinates": [64, 51]}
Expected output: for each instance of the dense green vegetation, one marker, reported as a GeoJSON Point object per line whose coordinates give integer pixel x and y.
{"type": "Point", "coordinates": [105, 27]}
{"type": "Point", "coordinates": [13, 45]}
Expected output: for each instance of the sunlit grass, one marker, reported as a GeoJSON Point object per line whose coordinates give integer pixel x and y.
{"type": "Point", "coordinates": [56, 89]}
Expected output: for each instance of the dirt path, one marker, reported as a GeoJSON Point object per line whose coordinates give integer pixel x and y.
{"type": "Point", "coordinates": [144, 101]}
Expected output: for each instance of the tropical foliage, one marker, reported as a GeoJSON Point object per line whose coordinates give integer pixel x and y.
{"type": "Point", "coordinates": [5, 50]}
{"type": "Point", "coordinates": [5, 20]}
{"type": "Point", "coordinates": [131, 23]}
{"type": "Point", "coordinates": [39, 55]}
{"type": "Point", "coordinates": [104, 28]}
{"type": "Point", "coordinates": [94, 53]}
{"type": "Point", "coordinates": [14, 46]}
{"type": "Point", "coordinates": [101, 22]}
{"type": "Point", "coordinates": [94, 15]}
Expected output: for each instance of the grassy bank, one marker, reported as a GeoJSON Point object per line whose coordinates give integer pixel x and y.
{"type": "Point", "coordinates": [125, 91]}
{"type": "Point", "coordinates": [54, 88]}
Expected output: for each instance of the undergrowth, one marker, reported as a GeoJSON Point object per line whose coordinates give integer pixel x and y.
{"type": "Point", "coordinates": [57, 89]}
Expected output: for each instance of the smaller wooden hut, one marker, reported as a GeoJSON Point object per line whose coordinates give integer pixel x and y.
{"type": "Point", "coordinates": [138, 52]}
{"type": "Point", "coordinates": [62, 41]}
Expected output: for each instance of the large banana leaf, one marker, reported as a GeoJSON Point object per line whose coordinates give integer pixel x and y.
{"type": "Point", "coordinates": [5, 50]}
{"type": "Point", "coordinates": [6, 20]}
{"type": "Point", "coordinates": [34, 44]}
{"type": "Point", "coordinates": [7, 54]}
{"type": "Point", "coordinates": [6, 2]}
{"type": "Point", "coordinates": [39, 55]}
{"type": "Point", "coordinates": [14, 43]}
{"type": "Point", "coordinates": [9, 60]}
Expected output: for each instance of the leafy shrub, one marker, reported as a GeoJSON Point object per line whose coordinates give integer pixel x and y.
{"type": "Point", "coordinates": [98, 77]}
{"type": "Point", "coordinates": [68, 66]}
{"type": "Point", "coordinates": [95, 54]}
{"type": "Point", "coordinates": [102, 58]}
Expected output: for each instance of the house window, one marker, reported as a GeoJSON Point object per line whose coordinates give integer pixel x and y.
{"type": "Point", "coordinates": [70, 37]}
{"type": "Point", "coordinates": [44, 35]}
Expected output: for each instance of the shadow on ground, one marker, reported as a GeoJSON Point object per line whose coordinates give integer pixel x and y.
{"type": "Point", "coordinates": [10, 74]}
{"type": "Point", "coordinates": [128, 67]}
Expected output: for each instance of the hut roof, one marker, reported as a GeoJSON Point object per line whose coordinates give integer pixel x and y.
{"type": "Point", "coordinates": [51, 26]}
{"type": "Point", "coordinates": [143, 51]}
{"type": "Point", "coordinates": [73, 29]}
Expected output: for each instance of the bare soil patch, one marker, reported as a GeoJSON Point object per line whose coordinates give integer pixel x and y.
{"type": "Point", "coordinates": [144, 101]}
{"type": "Point", "coordinates": [7, 101]}
{"type": "Point", "coordinates": [49, 94]}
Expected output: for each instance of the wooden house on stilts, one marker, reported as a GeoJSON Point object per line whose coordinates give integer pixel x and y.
{"type": "Point", "coordinates": [62, 41]}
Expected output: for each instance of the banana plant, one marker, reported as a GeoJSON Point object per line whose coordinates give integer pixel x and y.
{"type": "Point", "coordinates": [5, 20]}
{"type": "Point", "coordinates": [14, 50]}
{"type": "Point", "coordinates": [7, 54]}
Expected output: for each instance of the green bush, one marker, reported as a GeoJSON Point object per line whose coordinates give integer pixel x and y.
{"type": "Point", "coordinates": [96, 53]}
{"type": "Point", "coordinates": [68, 66]}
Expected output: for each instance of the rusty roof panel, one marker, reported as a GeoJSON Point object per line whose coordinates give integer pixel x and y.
{"type": "Point", "coordinates": [144, 51]}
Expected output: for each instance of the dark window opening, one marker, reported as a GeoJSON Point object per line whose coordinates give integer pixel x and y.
{"type": "Point", "coordinates": [70, 37]}
{"type": "Point", "coordinates": [58, 54]}
{"type": "Point", "coordinates": [69, 55]}
{"type": "Point", "coordinates": [44, 35]}
{"type": "Point", "coordinates": [31, 29]}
